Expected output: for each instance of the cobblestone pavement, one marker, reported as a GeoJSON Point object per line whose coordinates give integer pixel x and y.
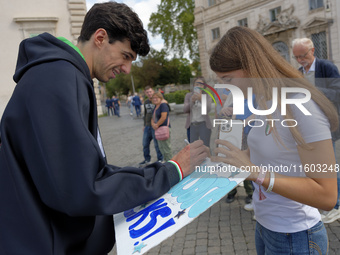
{"type": "Point", "coordinates": [222, 229]}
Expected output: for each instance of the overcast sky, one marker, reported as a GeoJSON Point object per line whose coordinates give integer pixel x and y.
{"type": "Point", "coordinates": [143, 8]}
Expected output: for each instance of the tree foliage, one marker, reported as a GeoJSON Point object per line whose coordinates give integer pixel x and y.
{"type": "Point", "coordinates": [151, 70]}
{"type": "Point", "coordinates": [174, 21]}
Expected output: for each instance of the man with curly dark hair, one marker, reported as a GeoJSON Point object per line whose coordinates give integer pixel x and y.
{"type": "Point", "coordinates": [57, 191]}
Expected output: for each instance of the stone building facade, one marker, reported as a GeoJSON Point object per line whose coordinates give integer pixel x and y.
{"type": "Point", "coordinates": [279, 21]}
{"type": "Point", "coordinates": [23, 19]}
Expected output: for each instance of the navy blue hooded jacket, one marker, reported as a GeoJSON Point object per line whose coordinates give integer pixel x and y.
{"type": "Point", "coordinates": [57, 192]}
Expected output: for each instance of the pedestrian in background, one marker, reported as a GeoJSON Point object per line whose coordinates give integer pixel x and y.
{"type": "Point", "coordinates": [325, 76]}
{"type": "Point", "coordinates": [108, 104]}
{"type": "Point", "coordinates": [116, 105]}
{"type": "Point", "coordinates": [129, 103]}
{"type": "Point", "coordinates": [161, 118]}
{"type": "Point", "coordinates": [137, 103]}
{"type": "Point", "coordinates": [148, 131]}
{"type": "Point", "coordinates": [198, 126]}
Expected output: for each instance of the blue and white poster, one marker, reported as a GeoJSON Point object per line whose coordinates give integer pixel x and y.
{"type": "Point", "coordinates": [146, 226]}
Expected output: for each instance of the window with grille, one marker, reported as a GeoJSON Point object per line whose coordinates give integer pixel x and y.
{"type": "Point", "coordinates": [243, 22]}
{"type": "Point", "coordinates": [315, 4]}
{"type": "Point", "coordinates": [320, 45]}
{"type": "Point", "coordinates": [215, 33]}
{"type": "Point", "coordinates": [274, 13]}
{"type": "Point", "coordinates": [211, 2]}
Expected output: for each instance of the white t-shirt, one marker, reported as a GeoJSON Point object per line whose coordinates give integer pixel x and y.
{"type": "Point", "coordinates": [196, 115]}
{"type": "Point", "coordinates": [276, 212]}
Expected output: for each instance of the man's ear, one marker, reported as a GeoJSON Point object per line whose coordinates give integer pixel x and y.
{"type": "Point", "coordinates": [313, 49]}
{"type": "Point", "coordinates": [100, 36]}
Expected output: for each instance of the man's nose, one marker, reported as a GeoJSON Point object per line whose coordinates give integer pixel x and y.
{"type": "Point", "coordinates": [126, 67]}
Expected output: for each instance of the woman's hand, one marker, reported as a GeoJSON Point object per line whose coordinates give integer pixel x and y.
{"type": "Point", "coordinates": [226, 111]}
{"type": "Point", "coordinates": [196, 97]}
{"type": "Point", "coordinates": [235, 157]}
{"type": "Point", "coordinates": [154, 125]}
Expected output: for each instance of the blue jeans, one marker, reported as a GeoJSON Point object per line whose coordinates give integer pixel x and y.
{"type": "Point", "coordinates": [109, 109]}
{"type": "Point", "coordinates": [116, 110]}
{"type": "Point", "coordinates": [188, 134]}
{"type": "Point", "coordinates": [130, 107]}
{"type": "Point", "coordinates": [200, 131]}
{"type": "Point", "coordinates": [310, 241]}
{"type": "Point", "coordinates": [137, 107]}
{"type": "Point", "coordinates": [148, 135]}
{"type": "Point", "coordinates": [338, 180]}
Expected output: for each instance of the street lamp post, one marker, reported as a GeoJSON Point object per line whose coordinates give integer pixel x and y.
{"type": "Point", "coordinates": [133, 84]}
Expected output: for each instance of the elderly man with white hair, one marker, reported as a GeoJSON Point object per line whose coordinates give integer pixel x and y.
{"type": "Point", "coordinates": [324, 75]}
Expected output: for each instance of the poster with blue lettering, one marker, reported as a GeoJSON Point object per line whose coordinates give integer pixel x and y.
{"type": "Point", "coordinates": [146, 226]}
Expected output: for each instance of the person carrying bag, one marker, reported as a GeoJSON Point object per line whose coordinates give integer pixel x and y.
{"type": "Point", "coordinates": [161, 124]}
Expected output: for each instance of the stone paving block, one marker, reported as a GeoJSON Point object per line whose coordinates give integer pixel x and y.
{"type": "Point", "coordinates": [240, 247]}
{"type": "Point", "coordinates": [203, 241]}
{"type": "Point", "coordinates": [213, 236]}
{"type": "Point", "coordinates": [165, 250]}
{"type": "Point", "coordinates": [202, 229]}
{"type": "Point", "coordinates": [167, 242]}
{"type": "Point", "coordinates": [213, 230]}
{"type": "Point", "coordinates": [201, 249]}
{"type": "Point", "coordinates": [332, 237]}
{"type": "Point", "coordinates": [189, 244]}
{"type": "Point", "coordinates": [239, 239]}
{"type": "Point", "coordinates": [251, 246]}
{"type": "Point", "coordinates": [152, 252]}
{"type": "Point", "coordinates": [236, 226]}
{"type": "Point", "coordinates": [252, 252]}
{"type": "Point", "coordinates": [226, 242]}
{"type": "Point", "coordinates": [241, 252]}
{"type": "Point", "coordinates": [181, 233]}
{"type": "Point", "coordinates": [225, 231]}
{"type": "Point", "coordinates": [214, 243]}
{"type": "Point", "coordinates": [247, 226]}
{"type": "Point", "coordinates": [191, 231]}
{"type": "Point", "coordinates": [179, 240]}
{"type": "Point", "coordinates": [214, 250]}
{"type": "Point", "coordinates": [191, 237]}
{"type": "Point", "coordinates": [202, 235]}
{"type": "Point", "coordinates": [332, 252]}
{"type": "Point", "coordinates": [177, 249]}
{"type": "Point", "coordinates": [334, 244]}
{"type": "Point", "coordinates": [188, 251]}
{"type": "Point", "coordinates": [223, 224]}
{"type": "Point", "coordinates": [227, 251]}
{"type": "Point", "coordinates": [237, 233]}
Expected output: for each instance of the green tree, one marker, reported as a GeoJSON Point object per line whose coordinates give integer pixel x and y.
{"type": "Point", "coordinates": [119, 86]}
{"type": "Point", "coordinates": [174, 21]}
{"type": "Point", "coordinates": [147, 71]}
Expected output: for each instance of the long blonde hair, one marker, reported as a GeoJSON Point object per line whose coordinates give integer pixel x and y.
{"type": "Point", "coordinates": [246, 49]}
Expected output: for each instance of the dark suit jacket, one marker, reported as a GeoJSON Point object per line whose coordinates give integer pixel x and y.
{"type": "Point", "coordinates": [327, 80]}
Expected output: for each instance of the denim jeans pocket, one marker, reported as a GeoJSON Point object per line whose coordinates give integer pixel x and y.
{"type": "Point", "coordinates": [318, 240]}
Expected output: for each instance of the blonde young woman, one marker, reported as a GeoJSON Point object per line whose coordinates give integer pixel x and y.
{"type": "Point", "coordinates": [160, 117]}
{"type": "Point", "coordinates": [286, 202]}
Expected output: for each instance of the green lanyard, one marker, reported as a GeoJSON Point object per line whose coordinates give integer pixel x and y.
{"type": "Point", "coordinates": [63, 39]}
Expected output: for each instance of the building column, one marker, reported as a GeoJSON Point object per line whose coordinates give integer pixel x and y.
{"type": "Point", "coordinates": [98, 97]}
